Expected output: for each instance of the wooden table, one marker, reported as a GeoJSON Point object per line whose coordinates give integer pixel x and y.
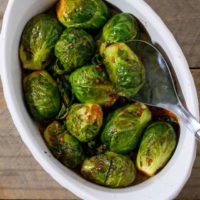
{"type": "Point", "coordinates": [21, 177]}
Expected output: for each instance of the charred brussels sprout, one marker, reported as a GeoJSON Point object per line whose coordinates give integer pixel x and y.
{"type": "Point", "coordinates": [96, 168]}
{"type": "Point", "coordinates": [124, 129]}
{"type": "Point", "coordinates": [156, 148]}
{"type": "Point", "coordinates": [84, 121]}
{"type": "Point", "coordinates": [65, 147]}
{"type": "Point", "coordinates": [120, 28]}
{"type": "Point", "coordinates": [109, 169]}
{"type": "Point", "coordinates": [74, 48]}
{"type": "Point", "coordinates": [125, 69]}
{"type": "Point", "coordinates": [51, 136]}
{"type": "Point", "coordinates": [86, 14]}
{"type": "Point", "coordinates": [122, 171]}
{"type": "Point", "coordinates": [90, 84]}
{"type": "Point", "coordinates": [38, 40]}
{"type": "Point", "coordinates": [41, 95]}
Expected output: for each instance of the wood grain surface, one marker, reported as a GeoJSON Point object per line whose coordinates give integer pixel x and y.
{"type": "Point", "coordinates": [20, 175]}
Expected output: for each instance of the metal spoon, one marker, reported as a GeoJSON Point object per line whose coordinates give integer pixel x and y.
{"type": "Point", "coordinates": [159, 89]}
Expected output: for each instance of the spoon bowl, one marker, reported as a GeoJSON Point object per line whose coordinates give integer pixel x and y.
{"type": "Point", "coordinates": [159, 89]}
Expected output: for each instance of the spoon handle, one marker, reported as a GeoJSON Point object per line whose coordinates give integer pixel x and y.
{"type": "Point", "coordinates": [189, 120]}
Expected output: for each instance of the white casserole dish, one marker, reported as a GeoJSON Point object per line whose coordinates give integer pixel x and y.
{"type": "Point", "coordinates": [168, 182]}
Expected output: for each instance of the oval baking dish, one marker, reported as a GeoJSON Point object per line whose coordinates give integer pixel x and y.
{"type": "Point", "coordinates": [168, 181]}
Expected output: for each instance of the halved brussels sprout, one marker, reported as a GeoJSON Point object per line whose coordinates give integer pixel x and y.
{"type": "Point", "coordinates": [38, 40]}
{"type": "Point", "coordinates": [41, 95]}
{"type": "Point", "coordinates": [65, 147]}
{"type": "Point", "coordinates": [125, 69]}
{"type": "Point", "coordinates": [84, 121]}
{"type": "Point", "coordinates": [156, 148]}
{"type": "Point", "coordinates": [109, 169]}
{"type": "Point", "coordinates": [74, 48]}
{"type": "Point", "coordinates": [90, 84]}
{"type": "Point", "coordinates": [120, 28]}
{"type": "Point", "coordinates": [124, 129]}
{"type": "Point", "coordinates": [86, 14]}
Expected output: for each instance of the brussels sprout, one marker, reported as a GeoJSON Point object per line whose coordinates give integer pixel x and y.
{"type": "Point", "coordinates": [156, 148]}
{"type": "Point", "coordinates": [65, 147]}
{"type": "Point", "coordinates": [90, 84]}
{"type": "Point", "coordinates": [38, 40]}
{"type": "Point", "coordinates": [124, 129]}
{"type": "Point", "coordinates": [41, 95]}
{"type": "Point", "coordinates": [109, 169]}
{"type": "Point", "coordinates": [120, 28]}
{"type": "Point", "coordinates": [74, 48]}
{"type": "Point", "coordinates": [122, 171]}
{"type": "Point", "coordinates": [125, 69]}
{"type": "Point", "coordinates": [86, 14]}
{"type": "Point", "coordinates": [84, 121]}
{"type": "Point", "coordinates": [51, 134]}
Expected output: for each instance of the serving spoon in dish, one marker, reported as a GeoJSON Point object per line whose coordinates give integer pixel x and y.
{"type": "Point", "coordinates": [159, 89]}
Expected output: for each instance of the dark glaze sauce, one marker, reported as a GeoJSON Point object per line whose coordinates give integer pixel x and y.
{"type": "Point", "coordinates": [158, 114]}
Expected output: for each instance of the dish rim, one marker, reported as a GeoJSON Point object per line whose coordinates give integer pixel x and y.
{"type": "Point", "coordinates": [32, 147]}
